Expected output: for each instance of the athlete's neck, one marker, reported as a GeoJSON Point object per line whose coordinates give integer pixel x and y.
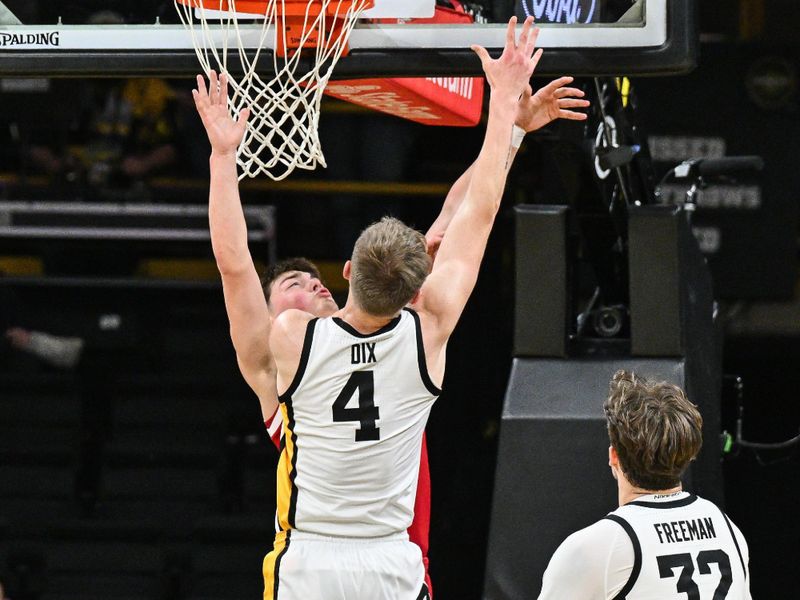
{"type": "Point", "coordinates": [629, 493]}
{"type": "Point", "coordinates": [359, 319]}
{"type": "Point", "coordinates": [626, 491]}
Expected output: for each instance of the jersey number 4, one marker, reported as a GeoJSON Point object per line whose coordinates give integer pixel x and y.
{"type": "Point", "coordinates": [686, 584]}
{"type": "Point", "coordinates": [366, 413]}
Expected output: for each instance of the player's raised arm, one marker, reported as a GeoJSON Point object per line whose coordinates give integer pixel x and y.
{"type": "Point", "coordinates": [553, 101]}
{"type": "Point", "coordinates": [455, 271]}
{"type": "Point", "coordinates": [244, 299]}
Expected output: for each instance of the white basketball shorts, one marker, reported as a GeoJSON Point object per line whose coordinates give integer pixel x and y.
{"type": "Point", "coordinates": [306, 566]}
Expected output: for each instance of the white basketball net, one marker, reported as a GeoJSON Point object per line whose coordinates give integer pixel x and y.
{"type": "Point", "coordinates": [282, 132]}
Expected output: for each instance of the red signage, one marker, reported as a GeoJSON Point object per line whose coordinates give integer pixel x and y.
{"type": "Point", "coordinates": [448, 101]}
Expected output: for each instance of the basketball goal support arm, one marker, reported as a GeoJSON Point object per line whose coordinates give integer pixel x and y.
{"type": "Point", "coordinates": [7, 17]}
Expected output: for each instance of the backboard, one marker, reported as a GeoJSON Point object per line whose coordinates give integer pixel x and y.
{"type": "Point", "coordinates": [146, 38]}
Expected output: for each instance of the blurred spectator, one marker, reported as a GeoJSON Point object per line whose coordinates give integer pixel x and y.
{"type": "Point", "coordinates": [126, 131]}
{"type": "Point", "coordinates": [57, 351]}
{"type": "Point", "coordinates": [61, 352]}
{"type": "Point", "coordinates": [127, 135]}
{"type": "Point", "coordinates": [74, 12]}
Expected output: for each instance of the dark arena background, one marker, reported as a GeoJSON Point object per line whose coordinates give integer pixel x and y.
{"type": "Point", "coordinates": [133, 460]}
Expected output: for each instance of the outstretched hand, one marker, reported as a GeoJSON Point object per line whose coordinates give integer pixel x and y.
{"type": "Point", "coordinates": [549, 103]}
{"type": "Point", "coordinates": [224, 133]}
{"type": "Point", "coordinates": [511, 72]}
{"type": "Point", "coordinates": [18, 337]}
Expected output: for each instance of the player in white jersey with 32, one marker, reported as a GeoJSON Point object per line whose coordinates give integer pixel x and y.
{"type": "Point", "coordinates": [661, 543]}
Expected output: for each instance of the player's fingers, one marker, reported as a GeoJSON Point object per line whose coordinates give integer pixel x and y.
{"type": "Point", "coordinates": [535, 60]}
{"type": "Point", "coordinates": [201, 85]}
{"type": "Point", "coordinates": [531, 41]}
{"type": "Point", "coordinates": [571, 115]}
{"type": "Point", "coordinates": [200, 96]}
{"type": "Point", "coordinates": [482, 53]}
{"type": "Point", "coordinates": [525, 34]}
{"type": "Point", "coordinates": [572, 103]}
{"type": "Point", "coordinates": [216, 88]}
{"type": "Point", "coordinates": [569, 92]}
{"type": "Point", "coordinates": [213, 87]}
{"type": "Point", "coordinates": [241, 122]}
{"type": "Point", "coordinates": [511, 33]}
{"type": "Point", "coordinates": [557, 85]}
{"type": "Point", "coordinates": [223, 87]}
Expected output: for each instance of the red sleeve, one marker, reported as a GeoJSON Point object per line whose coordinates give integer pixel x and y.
{"type": "Point", "coordinates": [274, 427]}
{"type": "Point", "coordinates": [419, 532]}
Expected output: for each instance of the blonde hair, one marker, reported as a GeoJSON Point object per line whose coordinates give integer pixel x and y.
{"type": "Point", "coordinates": [389, 265]}
{"type": "Point", "coordinates": [654, 428]}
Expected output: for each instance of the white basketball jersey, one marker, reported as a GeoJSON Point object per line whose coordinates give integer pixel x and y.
{"type": "Point", "coordinates": [684, 548]}
{"type": "Point", "coordinates": [353, 421]}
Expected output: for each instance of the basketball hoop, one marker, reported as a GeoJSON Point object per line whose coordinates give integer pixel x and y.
{"type": "Point", "coordinates": [282, 132]}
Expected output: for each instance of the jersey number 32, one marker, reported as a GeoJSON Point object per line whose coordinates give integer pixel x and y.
{"type": "Point", "coordinates": [686, 584]}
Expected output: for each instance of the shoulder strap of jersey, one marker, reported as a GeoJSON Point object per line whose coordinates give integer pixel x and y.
{"type": "Point", "coordinates": [301, 367]}
{"type": "Point", "coordinates": [423, 363]}
{"type": "Point", "coordinates": [357, 334]}
{"type": "Point", "coordinates": [637, 555]}
{"type": "Point", "coordinates": [735, 541]}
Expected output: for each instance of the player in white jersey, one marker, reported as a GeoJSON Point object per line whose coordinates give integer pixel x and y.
{"type": "Point", "coordinates": [245, 308]}
{"type": "Point", "coordinates": [295, 283]}
{"type": "Point", "coordinates": [375, 404]}
{"type": "Point", "coordinates": [662, 543]}
{"type": "Point", "coordinates": [356, 388]}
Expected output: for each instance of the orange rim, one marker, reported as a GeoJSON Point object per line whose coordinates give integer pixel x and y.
{"type": "Point", "coordinates": [294, 13]}
{"type": "Point", "coordinates": [297, 8]}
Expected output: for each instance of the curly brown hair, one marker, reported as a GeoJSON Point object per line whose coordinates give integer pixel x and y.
{"type": "Point", "coordinates": [654, 428]}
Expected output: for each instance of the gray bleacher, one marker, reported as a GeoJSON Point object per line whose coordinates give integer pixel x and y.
{"type": "Point", "coordinates": [145, 473]}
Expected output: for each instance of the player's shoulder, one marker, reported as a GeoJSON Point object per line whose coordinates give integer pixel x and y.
{"type": "Point", "coordinates": [412, 312]}
{"type": "Point", "coordinates": [587, 543]}
{"type": "Point", "coordinates": [291, 319]}
{"type": "Point", "coordinates": [427, 318]}
{"type": "Point", "coordinates": [586, 561]}
{"type": "Point", "coordinates": [713, 506]}
{"type": "Point", "coordinates": [289, 332]}
{"type": "Point", "coordinates": [417, 305]}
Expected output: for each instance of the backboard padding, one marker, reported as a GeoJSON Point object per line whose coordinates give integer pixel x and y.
{"type": "Point", "coordinates": [383, 9]}
{"type": "Point", "coordinates": [662, 41]}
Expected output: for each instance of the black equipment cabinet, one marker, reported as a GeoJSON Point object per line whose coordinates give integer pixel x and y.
{"type": "Point", "coordinates": [552, 473]}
